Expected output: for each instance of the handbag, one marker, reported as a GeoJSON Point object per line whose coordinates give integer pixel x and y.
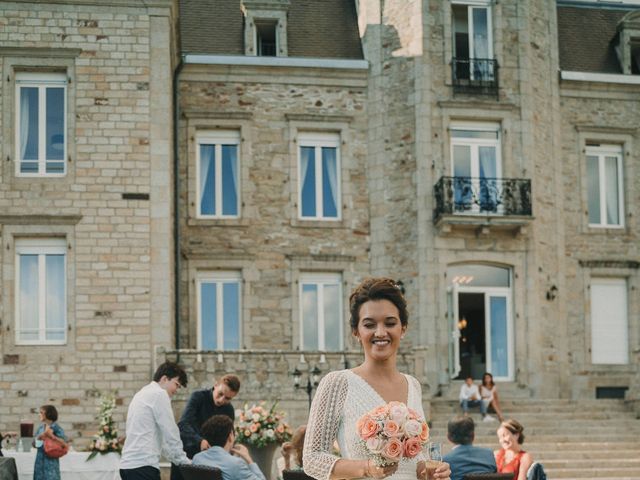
{"type": "Point", "coordinates": [55, 449]}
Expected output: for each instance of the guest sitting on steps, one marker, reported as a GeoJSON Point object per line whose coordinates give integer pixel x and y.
{"type": "Point", "coordinates": [233, 460]}
{"type": "Point", "coordinates": [470, 397]}
{"type": "Point", "coordinates": [489, 394]}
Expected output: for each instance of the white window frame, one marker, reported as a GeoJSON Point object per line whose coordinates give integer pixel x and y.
{"type": "Point", "coordinates": [218, 138]}
{"type": "Point", "coordinates": [475, 144]}
{"type": "Point", "coordinates": [319, 140]}
{"type": "Point", "coordinates": [320, 279]}
{"type": "Point", "coordinates": [40, 81]}
{"type": "Point", "coordinates": [471, 6]}
{"type": "Point", "coordinates": [610, 281]}
{"type": "Point", "coordinates": [601, 152]}
{"type": "Point", "coordinates": [41, 247]}
{"type": "Point", "coordinates": [218, 277]}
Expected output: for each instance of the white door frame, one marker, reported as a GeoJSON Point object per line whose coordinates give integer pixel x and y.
{"type": "Point", "coordinates": [488, 292]}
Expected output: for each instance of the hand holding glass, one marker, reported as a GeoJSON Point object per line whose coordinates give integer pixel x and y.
{"type": "Point", "coordinates": [433, 452]}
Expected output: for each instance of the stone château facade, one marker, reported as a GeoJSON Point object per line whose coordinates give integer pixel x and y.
{"type": "Point", "coordinates": [480, 152]}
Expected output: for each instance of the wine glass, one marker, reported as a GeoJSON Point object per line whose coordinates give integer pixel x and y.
{"type": "Point", "coordinates": [433, 452]}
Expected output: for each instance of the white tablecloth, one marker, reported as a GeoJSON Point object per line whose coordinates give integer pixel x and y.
{"type": "Point", "coordinates": [73, 466]}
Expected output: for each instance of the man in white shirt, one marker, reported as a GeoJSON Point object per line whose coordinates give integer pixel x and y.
{"type": "Point", "coordinates": [151, 428]}
{"type": "Point", "coordinates": [470, 397]}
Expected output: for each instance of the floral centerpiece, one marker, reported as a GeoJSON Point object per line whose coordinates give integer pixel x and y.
{"type": "Point", "coordinates": [392, 432]}
{"type": "Point", "coordinates": [106, 440]}
{"type": "Point", "coordinates": [258, 426]}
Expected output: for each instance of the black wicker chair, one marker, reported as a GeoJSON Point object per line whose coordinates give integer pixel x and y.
{"type": "Point", "coordinates": [200, 472]}
{"type": "Point", "coordinates": [488, 476]}
{"type": "Point", "coordinates": [295, 475]}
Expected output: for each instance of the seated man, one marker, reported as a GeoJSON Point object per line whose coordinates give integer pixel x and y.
{"type": "Point", "coordinates": [470, 397]}
{"type": "Point", "coordinates": [233, 460]}
{"type": "Point", "coordinates": [464, 458]}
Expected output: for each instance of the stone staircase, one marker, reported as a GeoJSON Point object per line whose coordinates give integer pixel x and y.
{"type": "Point", "coordinates": [574, 440]}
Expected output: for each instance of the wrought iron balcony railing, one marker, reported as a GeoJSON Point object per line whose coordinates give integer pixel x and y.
{"type": "Point", "coordinates": [475, 75]}
{"type": "Point", "coordinates": [482, 196]}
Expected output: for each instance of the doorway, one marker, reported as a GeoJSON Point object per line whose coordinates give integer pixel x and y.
{"type": "Point", "coordinates": [481, 322]}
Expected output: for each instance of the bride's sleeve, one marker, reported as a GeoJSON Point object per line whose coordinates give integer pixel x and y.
{"type": "Point", "coordinates": [418, 389]}
{"type": "Point", "coordinates": [322, 428]}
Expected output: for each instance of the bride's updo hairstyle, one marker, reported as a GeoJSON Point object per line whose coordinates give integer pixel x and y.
{"type": "Point", "coordinates": [377, 289]}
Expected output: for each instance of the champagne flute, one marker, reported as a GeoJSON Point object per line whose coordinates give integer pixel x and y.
{"type": "Point", "coordinates": [433, 452]}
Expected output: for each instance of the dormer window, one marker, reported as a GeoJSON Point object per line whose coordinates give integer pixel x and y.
{"type": "Point", "coordinates": [628, 48]}
{"type": "Point", "coordinates": [265, 27]}
{"type": "Point", "coordinates": [266, 38]}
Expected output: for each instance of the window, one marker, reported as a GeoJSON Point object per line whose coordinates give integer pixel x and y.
{"type": "Point", "coordinates": [217, 174]}
{"type": "Point", "coordinates": [476, 167]}
{"type": "Point", "coordinates": [319, 176]}
{"type": "Point", "coordinates": [472, 41]}
{"type": "Point", "coordinates": [40, 293]}
{"type": "Point", "coordinates": [604, 186]}
{"type": "Point", "coordinates": [266, 37]}
{"type": "Point", "coordinates": [219, 310]}
{"type": "Point", "coordinates": [321, 311]}
{"type": "Point", "coordinates": [609, 321]}
{"type": "Point", "coordinates": [41, 143]}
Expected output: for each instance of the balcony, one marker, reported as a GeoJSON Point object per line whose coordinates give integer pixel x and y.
{"type": "Point", "coordinates": [475, 76]}
{"type": "Point", "coordinates": [482, 204]}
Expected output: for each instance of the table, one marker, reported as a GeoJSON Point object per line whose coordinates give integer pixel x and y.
{"type": "Point", "coordinates": [73, 466]}
{"type": "Point", "coordinates": [8, 469]}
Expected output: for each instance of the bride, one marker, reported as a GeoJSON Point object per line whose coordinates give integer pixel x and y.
{"type": "Point", "coordinates": [379, 320]}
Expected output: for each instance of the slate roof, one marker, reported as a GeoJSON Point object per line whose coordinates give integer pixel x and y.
{"type": "Point", "coordinates": [587, 38]}
{"type": "Point", "coordinates": [315, 28]}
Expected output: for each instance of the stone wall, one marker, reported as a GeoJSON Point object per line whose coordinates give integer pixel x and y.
{"type": "Point", "coordinates": [268, 243]}
{"type": "Point", "coordinates": [112, 207]}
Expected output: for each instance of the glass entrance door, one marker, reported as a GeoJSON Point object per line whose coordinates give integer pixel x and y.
{"type": "Point", "coordinates": [480, 322]}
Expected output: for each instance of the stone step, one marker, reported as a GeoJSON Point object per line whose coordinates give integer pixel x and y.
{"type": "Point", "coordinates": [542, 408]}
{"type": "Point", "coordinates": [593, 463]}
{"type": "Point", "coordinates": [568, 427]}
{"type": "Point", "coordinates": [580, 473]}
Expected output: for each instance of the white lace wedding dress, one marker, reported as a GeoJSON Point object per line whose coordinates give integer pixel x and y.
{"type": "Point", "coordinates": [341, 399]}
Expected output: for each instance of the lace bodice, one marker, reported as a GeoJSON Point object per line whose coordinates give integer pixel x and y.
{"type": "Point", "coordinates": [341, 399]}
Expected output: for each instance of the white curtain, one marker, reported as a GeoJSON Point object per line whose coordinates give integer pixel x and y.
{"type": "Point", "coordinates": [233, 153]}
{"type": "Point", "coordinates": [488, 170]}
{"type": "Point", "coordinates": [329, 156]}
{"type": "Point", "coordinates": [611, 189]}
{"type": "Point", "coordinates": [207, 158]}
{"type": "Point", "coordinates": [24, 122]}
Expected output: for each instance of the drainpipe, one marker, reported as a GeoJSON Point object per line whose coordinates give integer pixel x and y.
{"type": "Point", "coordinates": [176, 206]}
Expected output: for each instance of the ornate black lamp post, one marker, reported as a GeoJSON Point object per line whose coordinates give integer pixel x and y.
{"type": "Point", "coordinates": [312, 381]}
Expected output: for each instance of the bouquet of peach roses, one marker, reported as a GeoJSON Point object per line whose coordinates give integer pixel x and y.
{"type": "Point", "coordinates": [392, 432]}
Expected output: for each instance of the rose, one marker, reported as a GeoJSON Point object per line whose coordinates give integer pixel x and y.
{"type": "Point", "coordinates": [398, 413]}
{"type": "Point", "coordinates": [375, 445]}
{"type": "Point", "coordinates": [270, 433]}
{"type": "Point", "coordinates": [247, 433]}
{"type": "Point", "coordinates": [424, 433]}
{"type": "Point", "coordinates": [380, 412]}
{"type": "Point", "coordinates": [413, 415]}
{"type": "Point", "coordinates": [280, 428]}
{"type": "Point", "coordinates": [412, 447]}
{"type": "Point", "coordinates": [367, 427]}
{"type": "Point", "coordinates": [392, 429]}
{"type": "Point", "coordinates": [412, 428]}
{"type": "Point", "coordinates": [255, 417]}
{"type": "Point", "coordinates": [392, 450]}
{"type": "Point", "coordinates": [254, 427]}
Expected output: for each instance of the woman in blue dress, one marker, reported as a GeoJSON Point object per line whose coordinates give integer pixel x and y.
{"type": "Point", "coordinates": [47, 468]}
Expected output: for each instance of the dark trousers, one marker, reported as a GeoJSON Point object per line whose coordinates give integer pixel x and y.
{"type": "Point", "coordinates": [140, 473]}
{"type": "Point", "coordinates": [175, 473]}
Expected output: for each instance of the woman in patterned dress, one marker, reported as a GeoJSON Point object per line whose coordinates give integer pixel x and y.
{"type": "Point", "coordinates": [379, 320]}
{"type": "Point", "coordinates": [47, 468]}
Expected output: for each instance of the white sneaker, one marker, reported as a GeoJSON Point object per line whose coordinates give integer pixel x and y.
{"type": "Point", "coordinates": [488, 418]}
